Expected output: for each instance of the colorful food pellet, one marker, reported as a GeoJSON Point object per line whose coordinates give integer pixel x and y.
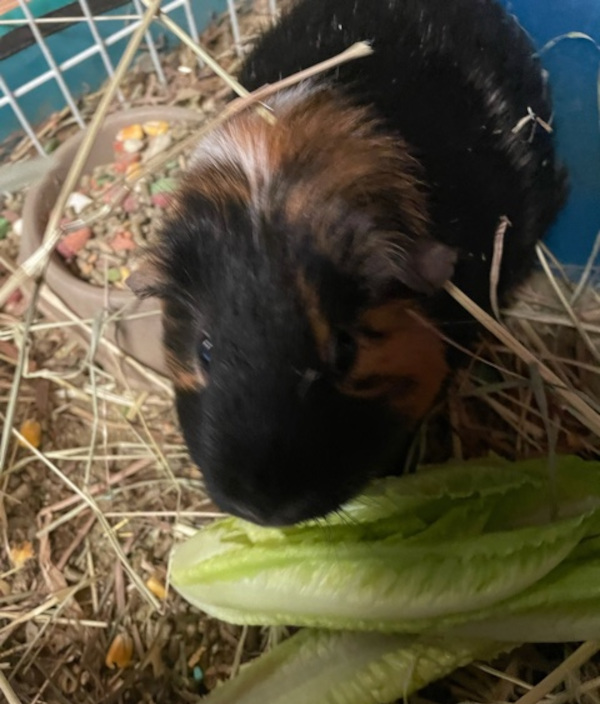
{"type": "Point", "coordinates": [4, 227]}
{"type": "Point", "coordinates": [157, 145]}
{"type": "Point", "coordinates": [130, 132]}
{"type": "Point", "coordinates": [113, 274]}
{"type": "Point", "coordinates": [137, 198]}
{"type": "Point", "coordinates": [52, 145]}
{"type": "Point", "coordinates": [157, 588]}
{"type": "Point", "coordinates": [20, 554]}
{"type": "Point", "coordinates": [122, 241]}
{"type": "Point", "coordinates": [73, 242]}
{"type": "Point", "coordinates": [118, 148]}
{"type": "Point", "coordinates": [133, 170]}
{"type": "Point", "coordinates": [120, 652]}
{"type": "Point", "coordinates": [125, 161]}
{"type": "Point", "coordinates": [163, 185]}
{"type": "Point", "coordinates": [155, 127]}
{"type": "Point", "coordinates": [31, 431]}
{"type": "Point", "coordinates": [131, 204]}
{"type": "Point", "coordinates": [110, 194]}
{"type": "Point", "coordinates": [78, 202]}
{"type": "Point", "coordinates": [161, 200]}
{"type": "Point", "coordinates": [133, 145]}
{"type": "Point", "coordinates": [10, 215]}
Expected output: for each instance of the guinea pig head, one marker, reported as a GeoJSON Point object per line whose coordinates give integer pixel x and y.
{"type": "Point", "coordinates": [290, 274]}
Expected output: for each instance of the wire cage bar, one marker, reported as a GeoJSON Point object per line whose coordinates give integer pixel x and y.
{"type": "Point", "coordinates": [54, 68]}
{"type": "Point", "coordinates": [151, 47]}
{"type": "Point", "coordinates": [108, 65]}
{"type": "Point", "coordinates": [103, 46]}
{"type": "Point", "coordinates": [28, 129]}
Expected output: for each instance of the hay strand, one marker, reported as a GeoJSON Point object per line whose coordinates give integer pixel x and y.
{"type": "Point", "coordinates": [573, 662]}
{"type": "Point", "coordinates": [7, 690]}
{"type": "Point", "coordinates": [574, 402]}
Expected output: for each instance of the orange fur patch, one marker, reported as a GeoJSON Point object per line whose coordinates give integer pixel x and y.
{"type": "Point", "coordinates": [218, 183]}
{"type": "Point", "coordinates": [182, 368]}
{"type": "Point", "coordinates": [400, 358]}
{"type": "Point", "coordinates": [322, 153]}
{"type": "Point", "coordinates": [186, 377]}
{"type": "Point", "coordinates": [318, 322]}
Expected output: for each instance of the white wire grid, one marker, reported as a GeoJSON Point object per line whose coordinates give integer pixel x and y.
{"type": "Point", "coordinates": [56, 71]}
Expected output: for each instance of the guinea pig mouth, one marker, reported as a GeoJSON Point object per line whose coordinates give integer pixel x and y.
{"type": "Point", "coordinates": [277, 503]}
{"type": "Point", "coordinates": [286, 513]}
{"type": "Point", "coordinates": [304, 467]}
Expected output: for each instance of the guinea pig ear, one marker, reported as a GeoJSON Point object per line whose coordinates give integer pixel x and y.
{"type": "Point", "coordinates": [422, 264]}
{"type": "Point", "coordinates": [147, 279]}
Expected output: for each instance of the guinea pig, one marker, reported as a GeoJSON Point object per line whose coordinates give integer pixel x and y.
{"type": "Point", "coordinates": [302, 271]}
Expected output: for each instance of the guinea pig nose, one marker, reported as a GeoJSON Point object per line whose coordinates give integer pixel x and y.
{"type": "Point", "coordinates": [244, 511]}
{"type": "Point", "coordinates": [291, 513]}
{"type": "Point", "coordinates": [285, 514]}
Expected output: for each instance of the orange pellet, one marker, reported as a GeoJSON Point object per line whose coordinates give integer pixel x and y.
{"type": "Point", "coordinates": [120, 652]}
{"type": "Point", "coordinates": [157, 587]}
{"type": "Point", "coordinates": [31, 430]}
{"type": "Point", "coordinates": [155, 127]}
{"type": "Point", "coordinates": [19, 554]}
{"type": "Point", "coordinates": [133, 170]}
{"type": "Point", "coordinates": [130, 132]}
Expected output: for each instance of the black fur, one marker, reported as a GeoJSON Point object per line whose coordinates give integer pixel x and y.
{"type": "Point", "coordinates": [438, 67]}
{"type": "Point", "coordinates": [268, 435]}
{"type": "Point", "coordinates": [277, 441]}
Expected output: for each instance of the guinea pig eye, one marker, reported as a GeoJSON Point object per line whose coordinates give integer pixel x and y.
{"type": "Point", "coordinates": [343, 353]}
{"type": "Point", "coordinates": [205, 351]}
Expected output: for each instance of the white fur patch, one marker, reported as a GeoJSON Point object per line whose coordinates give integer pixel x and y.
{"type": "Point", "coordinates": [243, 141]}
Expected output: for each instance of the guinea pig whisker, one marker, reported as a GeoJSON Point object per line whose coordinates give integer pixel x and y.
{"type": "Point", "coordinates": [307, 379]}
{"type": "Point", "coordinates": [329, 533]}
{"type": "Point", "coordinates": [346, 517]}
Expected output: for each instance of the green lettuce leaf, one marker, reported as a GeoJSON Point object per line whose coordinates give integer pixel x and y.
{"type": "Point", "coordinates": [344, 667]}
{"type": "Point", "coordinates": [418, 576]}
{"type": "Point", "coordinates": [413, 553]}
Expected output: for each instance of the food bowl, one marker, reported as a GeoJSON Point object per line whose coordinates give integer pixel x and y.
{"type": "Point", "coordinates": [138, 337]}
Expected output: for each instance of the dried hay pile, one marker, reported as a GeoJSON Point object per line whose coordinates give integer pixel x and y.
{"type": "Point", "coordinates": [91, 501]}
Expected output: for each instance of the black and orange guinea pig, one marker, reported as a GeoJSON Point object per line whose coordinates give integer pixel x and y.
{"type": "Point", "coordinates": [305, 323]}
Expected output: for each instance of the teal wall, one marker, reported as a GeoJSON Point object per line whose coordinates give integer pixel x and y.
{"type": "Point", "coordinates": [37, 8]}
